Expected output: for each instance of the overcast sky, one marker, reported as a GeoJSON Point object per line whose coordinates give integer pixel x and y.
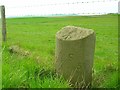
{"type": "Point", "coordinates": [16, 8]}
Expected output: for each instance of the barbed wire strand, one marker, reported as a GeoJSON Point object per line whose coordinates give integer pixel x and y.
{"type": "Point", "coordinates": [64, 3]}
{"type": "Point", "coordinates": [64, 14]}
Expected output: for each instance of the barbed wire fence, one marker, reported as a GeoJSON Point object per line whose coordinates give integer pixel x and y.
{"type": "Point", "coordinates": [55, 9]}
{"type": "Point", "coordinates": [69, 3]}
{"type": "Point", "coordinates": [59, 9]}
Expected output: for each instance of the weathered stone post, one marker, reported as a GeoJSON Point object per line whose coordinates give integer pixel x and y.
{"type": "Point", "coordinates": [74, 55]}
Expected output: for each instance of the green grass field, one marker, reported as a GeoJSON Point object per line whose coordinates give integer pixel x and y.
{"type": "Point", "coordinates": [36, 37]}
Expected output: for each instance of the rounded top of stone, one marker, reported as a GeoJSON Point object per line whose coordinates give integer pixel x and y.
{"type": "Point", "coordinates": [73, 33]}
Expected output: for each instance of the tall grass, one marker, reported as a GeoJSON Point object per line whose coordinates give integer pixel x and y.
{"type": "Point", "coordinates": [37, 35]}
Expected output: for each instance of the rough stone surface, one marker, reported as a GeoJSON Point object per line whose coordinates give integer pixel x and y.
{"type": "Point", "coordinates": [74, 54]}
{"type": "Point", "coordinates": [73, 33]}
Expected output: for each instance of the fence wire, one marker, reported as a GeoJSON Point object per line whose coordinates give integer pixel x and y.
{"type": "Point", "coordinates": [56, 9]}
{"type": "Point", "coordinates": [84, 2]}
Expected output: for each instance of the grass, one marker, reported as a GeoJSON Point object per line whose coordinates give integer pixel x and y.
{"type": "Point", "coordinates": [37, 35]}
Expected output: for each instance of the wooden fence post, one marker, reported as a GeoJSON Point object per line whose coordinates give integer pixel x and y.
{"type": "Point", "coordinates": [3, 22]}
{"type": "Point", "coordinates": [74, 55]}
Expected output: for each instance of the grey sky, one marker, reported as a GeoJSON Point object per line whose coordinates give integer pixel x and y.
{"type": "Point", "coordinates": [44, 7]}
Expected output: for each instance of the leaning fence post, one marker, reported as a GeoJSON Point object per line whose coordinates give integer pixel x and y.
{"type": "Point", "coordinates": [74, 55]}
{"type": "Point", "coordinates": [3, 22]}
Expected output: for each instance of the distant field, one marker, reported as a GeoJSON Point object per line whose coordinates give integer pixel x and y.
{"type": "Point", "coordinates": [32, 65]}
